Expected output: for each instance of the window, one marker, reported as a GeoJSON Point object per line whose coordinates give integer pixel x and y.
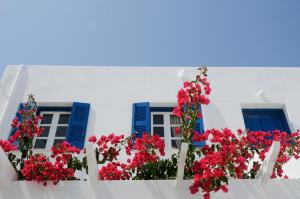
{"type": "Point", "coordinates": [164, 124]}
{"type": "Point", "coordinates": [265, 120]}
{"type": "Point", "coordinates": [61, 123]}
{"type": "Point", "coordinates": [160, 121]}
{"type": "Point", "coordinates": [55, 126]}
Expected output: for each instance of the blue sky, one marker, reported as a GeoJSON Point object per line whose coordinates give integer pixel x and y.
{"type": "Point", "coordinates": [150, 32]}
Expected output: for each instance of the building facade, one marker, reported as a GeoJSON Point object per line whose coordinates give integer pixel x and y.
{"type": "Point", "coordinates": [102, 100]}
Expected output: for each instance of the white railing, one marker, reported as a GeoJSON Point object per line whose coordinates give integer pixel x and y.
{"type": "Point", "coordinates": [175, 189]}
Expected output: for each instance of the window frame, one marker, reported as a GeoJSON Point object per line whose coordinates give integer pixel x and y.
{"type": "Point", "coordinates": [53, 128]}
{"type": "Point", "coordinates": [166, 112]}
{"type": "Point", "coordinates": [52, 107]}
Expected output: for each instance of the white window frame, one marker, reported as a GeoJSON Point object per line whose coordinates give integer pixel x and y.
{"type": "Point", "coordinates": [167, 128]}
{"type": "Point", "coordinates": [53, 127]}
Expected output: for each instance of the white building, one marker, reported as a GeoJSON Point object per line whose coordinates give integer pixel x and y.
{"type": "Point", "coordinates": [106, 96]}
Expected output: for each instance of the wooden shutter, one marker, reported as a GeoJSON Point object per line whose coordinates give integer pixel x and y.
{"type": "Point", "coordinates": [141, 122]}
{"type": "Point", "coordinates": [199, 127]}
{"type": "Point", "coordinates": [265, 120]}
{"type": "Point", "coordinates": [78, 124]}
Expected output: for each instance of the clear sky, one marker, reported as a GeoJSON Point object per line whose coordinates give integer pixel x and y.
{"type": "Point", "coordinates": [150, 32]}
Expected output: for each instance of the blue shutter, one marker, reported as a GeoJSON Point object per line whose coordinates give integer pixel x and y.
{"type": "Point", "coordinates": [78, 124]}
{"type": "Point", "coordinates": [265, 120]}
{"type": "Point", "coordinates": [20, 107]}
{"type": "Point", "coordinates": [199, 127]}
{"type": "Point", "coordinates": [141, 122]}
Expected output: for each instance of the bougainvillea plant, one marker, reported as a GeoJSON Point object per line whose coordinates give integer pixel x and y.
{"type": "Point", "coordinates": [139, 153]}
{"type": "Point", "coordinates": [189, 99]}
{"type": "Point", "coordinates": [239, 155]}
{"type": "Point", "coordinates": [229, 154]}
{"type": "Point", "coordinates": [226, 155]}
{"type": "Point", "coordinates": [62, 163]}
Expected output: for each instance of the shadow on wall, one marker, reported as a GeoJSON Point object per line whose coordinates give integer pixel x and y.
{"type": "Point", "coordinates": [275, 188]}
{"type": "Point", "coordinates": [33, 190]}
{"type": "Point", "coordinates": [91, 125]}
{"type": "Point", "coordinates": [14, 97]}
{"type": "Point", "coordinates": [213, 117]}
{"type": "Point", "coordinates": [115, 189]}
{"type": "Point", "coordinates": [294, 126]}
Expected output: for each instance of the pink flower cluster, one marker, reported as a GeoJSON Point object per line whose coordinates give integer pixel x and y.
{"type": "Point", "coordinates": [144, 150]}
{"type": "Point", "coordinates": [189, 100]}
{"type": "Point", "coordinates": [108, 147]}
{"type": "Point", "coordinates": [230, 153]}
{"type": "Point", "coordinates": [114, 171]}
{"type": "Point", "coordinates": [39, 168]}
{"type": "Point", "coordinates": [192, 95]}
{"type": "Point", "coordinates": [7, 146]}
{"type": "Point", "coordinates": [27, 128]}
{"type": "Point", "coordinates": [64, 152]}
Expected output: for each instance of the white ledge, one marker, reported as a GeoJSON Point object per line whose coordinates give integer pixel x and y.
{"type": "Point", "coordinates": [149, 189]}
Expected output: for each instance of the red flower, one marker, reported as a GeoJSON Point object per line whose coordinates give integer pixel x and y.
{"type": "Point", "coordinates": [92, 139]}
{"type": "Point", "coordinates": [206, 196]}
{"type": "Point", "coordinates": [241, 160]}
{"type": "Point", "coordinates": [112, 171]}
{"type": "Point", "coordinates": [178, 131]}
{"type": "Point", "coordinates": [194, 189]}
{"type": "Point", "coordinates": [224, 188]}
{"type": "Point", "coordinates": [63, 152]}
{"type": "Point", "coordinates": [145, 152]}
{"type": "Point", "coordinates": [39, 168]}
{"type": "Point", "coordinates": [177, 111]}
{"type": "Point", "coordinates": [7, 146]}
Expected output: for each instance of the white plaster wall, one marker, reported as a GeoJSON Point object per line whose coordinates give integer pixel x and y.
{"type": "Point", "coordinates": [12, 91]}
{"type": "Point", "coordinates": [112, 90]}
